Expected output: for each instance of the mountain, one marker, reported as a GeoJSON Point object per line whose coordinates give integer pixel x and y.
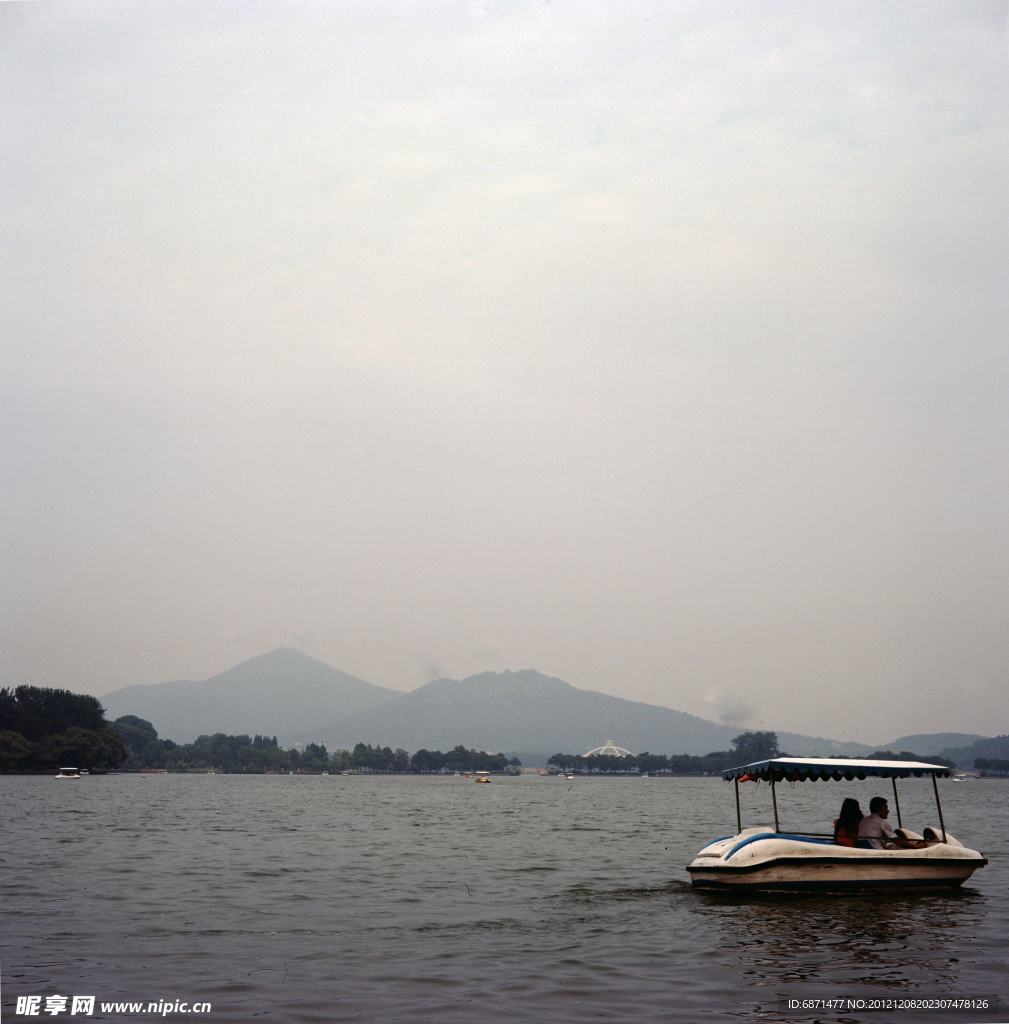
{"type": "Point", "coordinates": [932, 742]}
{"type": "Point", "coordinates": [797, 744]}
{"type": "Point", "coordinates": [529, 711]}
{"type": "Point", "coordinates": [284, 693]}
{"type": "Point", "coordinates": [984, 746]}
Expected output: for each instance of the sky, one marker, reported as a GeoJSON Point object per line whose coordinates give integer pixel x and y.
{"type": "Point", "coordinates": [660, 347]}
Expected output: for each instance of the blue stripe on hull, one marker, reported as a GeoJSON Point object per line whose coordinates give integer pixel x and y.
{"type": "Point", "coordinates": [776, 835]}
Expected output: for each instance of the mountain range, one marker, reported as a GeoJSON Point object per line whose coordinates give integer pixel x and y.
{"type": "Point", "coordinates": [299, 699]}
{"type": "Point", "coordinates": [527, 711]}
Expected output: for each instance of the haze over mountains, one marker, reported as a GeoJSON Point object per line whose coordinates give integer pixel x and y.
{"type": "Point", "coordinates": [528, 711]}
{"type": "Point", "coordinates": [284, 693]}
{"type": "Point", "coordinates": [934, 742]}
{"type": "Point", "coordinates": [299, 699]}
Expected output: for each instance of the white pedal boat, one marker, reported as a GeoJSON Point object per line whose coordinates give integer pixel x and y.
{"type": "Point", "coordinates": [756, 858]}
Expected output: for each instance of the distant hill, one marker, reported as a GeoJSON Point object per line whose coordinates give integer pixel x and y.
{"type": "Point", "coordinates": [932, 742]}
{"type": "Point", "coordinates": [985, 746]}
{"type": "Point", "coordinates": [530, 711]}
{"type": "Point", "coordinates": [284, 693]}
{"type": "Point", "coordinates": [799, 745]}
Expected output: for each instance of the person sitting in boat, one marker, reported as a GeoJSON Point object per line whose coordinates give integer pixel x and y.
{"type": "Point", "coordinates": [876, 833]}
{"type": "Point", "coordinates": [846, 824]}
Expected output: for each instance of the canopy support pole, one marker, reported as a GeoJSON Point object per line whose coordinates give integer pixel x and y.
{"type": "Point", "coordinates": [739, 817]}
{"type": "Point", "coordinates": [775, 801]}
{"type": "Point", "coordinates": [938, 805]}
{"type": "Point", "coordinates": [896, 801]}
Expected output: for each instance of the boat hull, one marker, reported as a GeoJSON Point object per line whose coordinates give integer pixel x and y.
{"type": "Point", "coordinates": [789, 876]}
{"type": "Point", "coordinates": [794, 864]}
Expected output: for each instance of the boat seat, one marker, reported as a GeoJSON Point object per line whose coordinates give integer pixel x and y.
{"type": "Point", "coordinates": [933, 834]}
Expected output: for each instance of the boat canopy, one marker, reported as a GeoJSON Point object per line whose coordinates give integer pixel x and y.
{"type": "Point", "coordinates": [801, 769]}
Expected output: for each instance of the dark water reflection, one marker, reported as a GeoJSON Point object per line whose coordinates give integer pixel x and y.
{"type": "Point", "coordinates": [385, 899]}
{"type": "Point", "coordinates": [897, 942]}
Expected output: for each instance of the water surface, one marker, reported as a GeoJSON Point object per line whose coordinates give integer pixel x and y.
{"type": "Point", "coordinates": [389, 898]}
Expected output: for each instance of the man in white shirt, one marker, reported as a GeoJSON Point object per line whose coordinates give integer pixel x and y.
{"type": "Point", "coordinates": [877, 831]}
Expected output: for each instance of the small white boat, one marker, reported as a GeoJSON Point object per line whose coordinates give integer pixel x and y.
{"type": "Point", "coordinates": [757, 858]}
{"type": "Point", "coordinates": [68, 773]}
{"type": "Point", "coordinates": [569, 776]}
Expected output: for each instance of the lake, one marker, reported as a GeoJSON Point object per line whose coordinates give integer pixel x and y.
{"type": "Point", "coordinates": [533, 899]}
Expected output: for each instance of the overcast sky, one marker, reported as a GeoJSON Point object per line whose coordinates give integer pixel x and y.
{"type": "Point", "coordinates": [659, 347]}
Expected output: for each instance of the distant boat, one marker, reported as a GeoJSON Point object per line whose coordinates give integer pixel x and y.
{"type": "Point", "coordinates": [325, 773]}
{"type": "Point", "coordinates": [482, 777]}
{"type": "Point", "coordinates": [569, 776]}
{"type": "Point", "coordinates": [68, 773]}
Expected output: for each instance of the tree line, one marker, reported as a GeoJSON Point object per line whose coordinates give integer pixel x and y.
{"type": "Point", "coordinates": [263, 754]}
{"type": "Point", "coordinates": [459, 759]}
{"type": "Point", "coordinates": [747, 747]}
{"type": "Point", "coordinates": [42, 728]}
{"type": "Point", "coordinates": [907, 755]}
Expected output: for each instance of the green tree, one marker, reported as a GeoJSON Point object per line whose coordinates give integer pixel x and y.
{"type": "Point", "coordinates": [14, 749]}
{"type": "Point", "coordinates": [340, 761]}
{"type": "Point", "coordinates": [756, 746]}
{"type": "Point", "coordinates": [153, 755]}
{"type": "Point", "coordinates": [652, 763]}
{"type": "Point", "coordinates": [110, 750]}
{"type": "Point", "coordinates": [136, 733]}
{"type": "Point", "coordinates": [36, 711]}
{"type": "Point", "coordinates": [314, 758]}
{"type": "Point", "coordinates": [79, 748]}
{"type": "Point", "coordinates": [427, 761]}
